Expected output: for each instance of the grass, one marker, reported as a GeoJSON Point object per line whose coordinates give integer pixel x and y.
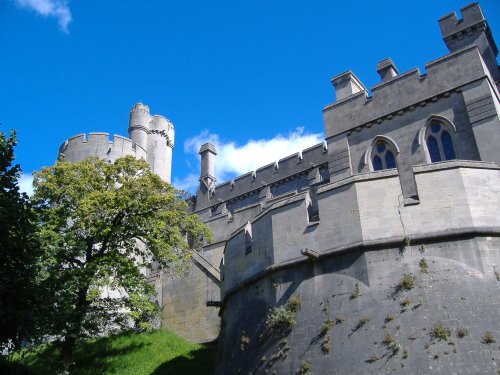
{"type": "Point", "coordinates": [407, 282]}
{"type": "Point", "coordinates": [156, 353]}
{"type": "Point", "coordinates": [440, 332]}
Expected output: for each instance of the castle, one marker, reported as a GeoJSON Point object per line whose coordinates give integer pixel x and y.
{"type": "Point", "coordinates": [385, 236]}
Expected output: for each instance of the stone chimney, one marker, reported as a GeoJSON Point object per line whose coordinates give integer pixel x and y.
{"type": "Point", "coordinates": [386, 69]}
{"type": "Point", "coordinates": [207, 175]}
{"type": "Point", "coordinates": [347, 84]}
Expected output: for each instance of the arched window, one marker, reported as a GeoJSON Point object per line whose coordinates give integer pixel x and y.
{"type": "Point", "coordinates": [439, 142]}
{"type": "Point", "coordinates": [382, 156]}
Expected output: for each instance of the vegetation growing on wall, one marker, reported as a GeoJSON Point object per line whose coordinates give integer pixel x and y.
{"type": "Point", "coordinates": [283, 317]}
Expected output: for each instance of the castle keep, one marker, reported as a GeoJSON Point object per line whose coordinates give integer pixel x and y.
{"type": "Point", "coordinates": [386, 234]}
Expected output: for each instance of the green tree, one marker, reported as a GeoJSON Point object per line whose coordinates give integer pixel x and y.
{"type": "Point", "coordinates": [103, 224]}
{"type": "Point", "coordinates": [18, 251]}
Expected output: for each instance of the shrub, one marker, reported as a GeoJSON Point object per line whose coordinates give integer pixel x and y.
{"type": "Point", "coordinates": [326, 345]}
{"type": "Point", "coordinates": [488, 338]}
{"type": "Point", "coordinates": [407, 282]}
{"type": "Point", "coordinates": [245, 340]}
{"type": "Point", "coordinates": [305, 367]}
{"type": "Point", "coordinates": [280, 317]}
{"type": "Point", "coordinates": [406, 302]}
{"type": "Point", "coordinates": [283, 317]}
{"type": "Point", "coordinates": [389, 317]}
{"type": "Point", "coordinates": [440, 332]}
{"type": "Point", "coordinates": [462, 332]}
{"type": "Point", "coordinates": [326, 327]}
{"type": "Point", "coordinates": [424, 267]}
{"type": "Point", "coordinates": [356, 293]}
{"type": "Point", "coordinates": [388, 338]}
{"type": "Point", "coordinates": [294, 303]}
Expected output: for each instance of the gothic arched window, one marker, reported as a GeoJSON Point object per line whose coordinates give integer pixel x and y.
{"type": "Point", "coordinates": [439, 142]}
{"type": "Point", "coordinates": [382, 156]}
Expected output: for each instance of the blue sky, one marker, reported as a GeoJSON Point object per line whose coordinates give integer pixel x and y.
{"type": "Point", "coordinates": [251, 76]}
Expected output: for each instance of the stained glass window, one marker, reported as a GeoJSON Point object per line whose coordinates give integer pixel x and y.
{"type": "Point", "coordinates": [439, 143]}
{"type": "Point", "coordinates": [382, 157]}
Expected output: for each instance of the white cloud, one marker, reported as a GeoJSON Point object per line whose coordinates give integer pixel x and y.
{"type": "Point", "coordinates": [26, 183]}
{"type": "Point", "coordinates": [50, 8]}
{"type": "Point", "coordinates": [188, 183]}
{"type": "Point", "coordinates": [233, 160]}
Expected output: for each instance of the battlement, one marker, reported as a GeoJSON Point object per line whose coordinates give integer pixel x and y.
{"type": "Point", "coordinates": [350, 207]}
{"type": "Point", "coordinates": [290, 173]}
{"type": "Point", "coordinates": [101, 145]}
{"type": "Point", "coordinates": [472, 16]}
{"type": "Point", "coordinates": [404, 92]}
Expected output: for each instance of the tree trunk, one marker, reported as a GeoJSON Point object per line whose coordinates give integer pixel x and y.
{"type": "Point", "coordinates": [79, 312]}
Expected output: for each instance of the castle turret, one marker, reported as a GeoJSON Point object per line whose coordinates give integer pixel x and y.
{"type": "Point", "coordinates": [155, 136]}
{"type": "Point", "coordinates": [138, 127]}
{"type": "Point", "coordinates": [471, 29]}
{"type": "Point", "coordinates": [160, 146]}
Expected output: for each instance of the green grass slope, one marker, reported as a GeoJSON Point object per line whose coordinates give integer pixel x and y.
{"type": "Point", "coordinates": [159, 352]}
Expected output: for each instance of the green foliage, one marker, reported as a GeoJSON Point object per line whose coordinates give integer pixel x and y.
{"type": "Point", "coordinates": [440, 332]}
{"type": "Point", "coordinates": [327, 326]}
{"type": "Point", "coordinates": [389, 318]}
{"type": "Point", "coordinates": [244, 341]}
{"type": "Point", "coordinates": [424, 267]}
{"type": "Point", "coordinates": [304, 367]}
{"type": "Point", "coordinates": [407, 282]}
{"type": "Point", "coordinates": [294, 303]}
{"type": "Point", "coordinates": [159, 352]}
{"type": "Point", "coordinates": [356, 293]}
{"type": "Point", "coordinates": [18, 251]}
{"type": "Point", "coordinates": [283, 317]}
{"type": "Point", "coordinates": [326, 345]}
{"type": "Point", "coordinates": [103, 224]}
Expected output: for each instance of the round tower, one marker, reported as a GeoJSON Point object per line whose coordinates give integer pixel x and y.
{"type": "Point", "coordinates": [138, 127]}
{"type": "Point", "coordinates": [160, 145]}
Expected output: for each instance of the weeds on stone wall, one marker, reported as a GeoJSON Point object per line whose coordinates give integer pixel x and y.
{"type": "Point", "coordinates": [305, 367]}
{"type": "Point", "coordinates": [424, 267]}
{"type": "Point", "coordinates": [244, 341]}
{"type": "Point", "coordinates": [326, 326]}
{"type": "Point", "coordinates": [440, 332]}
{"type": "Point", "coordinates": [405, 303]}
{"type": "Point", "coordinates": [388, 338]}
{"type": "Point", "coordinates": [326, 345]}
{"type": "Point", "coordinates": [488, 338]}
{"type": "Point", "coordinates": [407, 282]}
{"type": "Point", "coordinates": [388, 318]}
{"type": "Point", "coordinates": [462, 332]}
{"type": "Point", "coordinates": [391, 343]}
{"type": "Point", "coordinates": [356, 293]}
{"type": "Point", "coordinates": [283, 317]}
